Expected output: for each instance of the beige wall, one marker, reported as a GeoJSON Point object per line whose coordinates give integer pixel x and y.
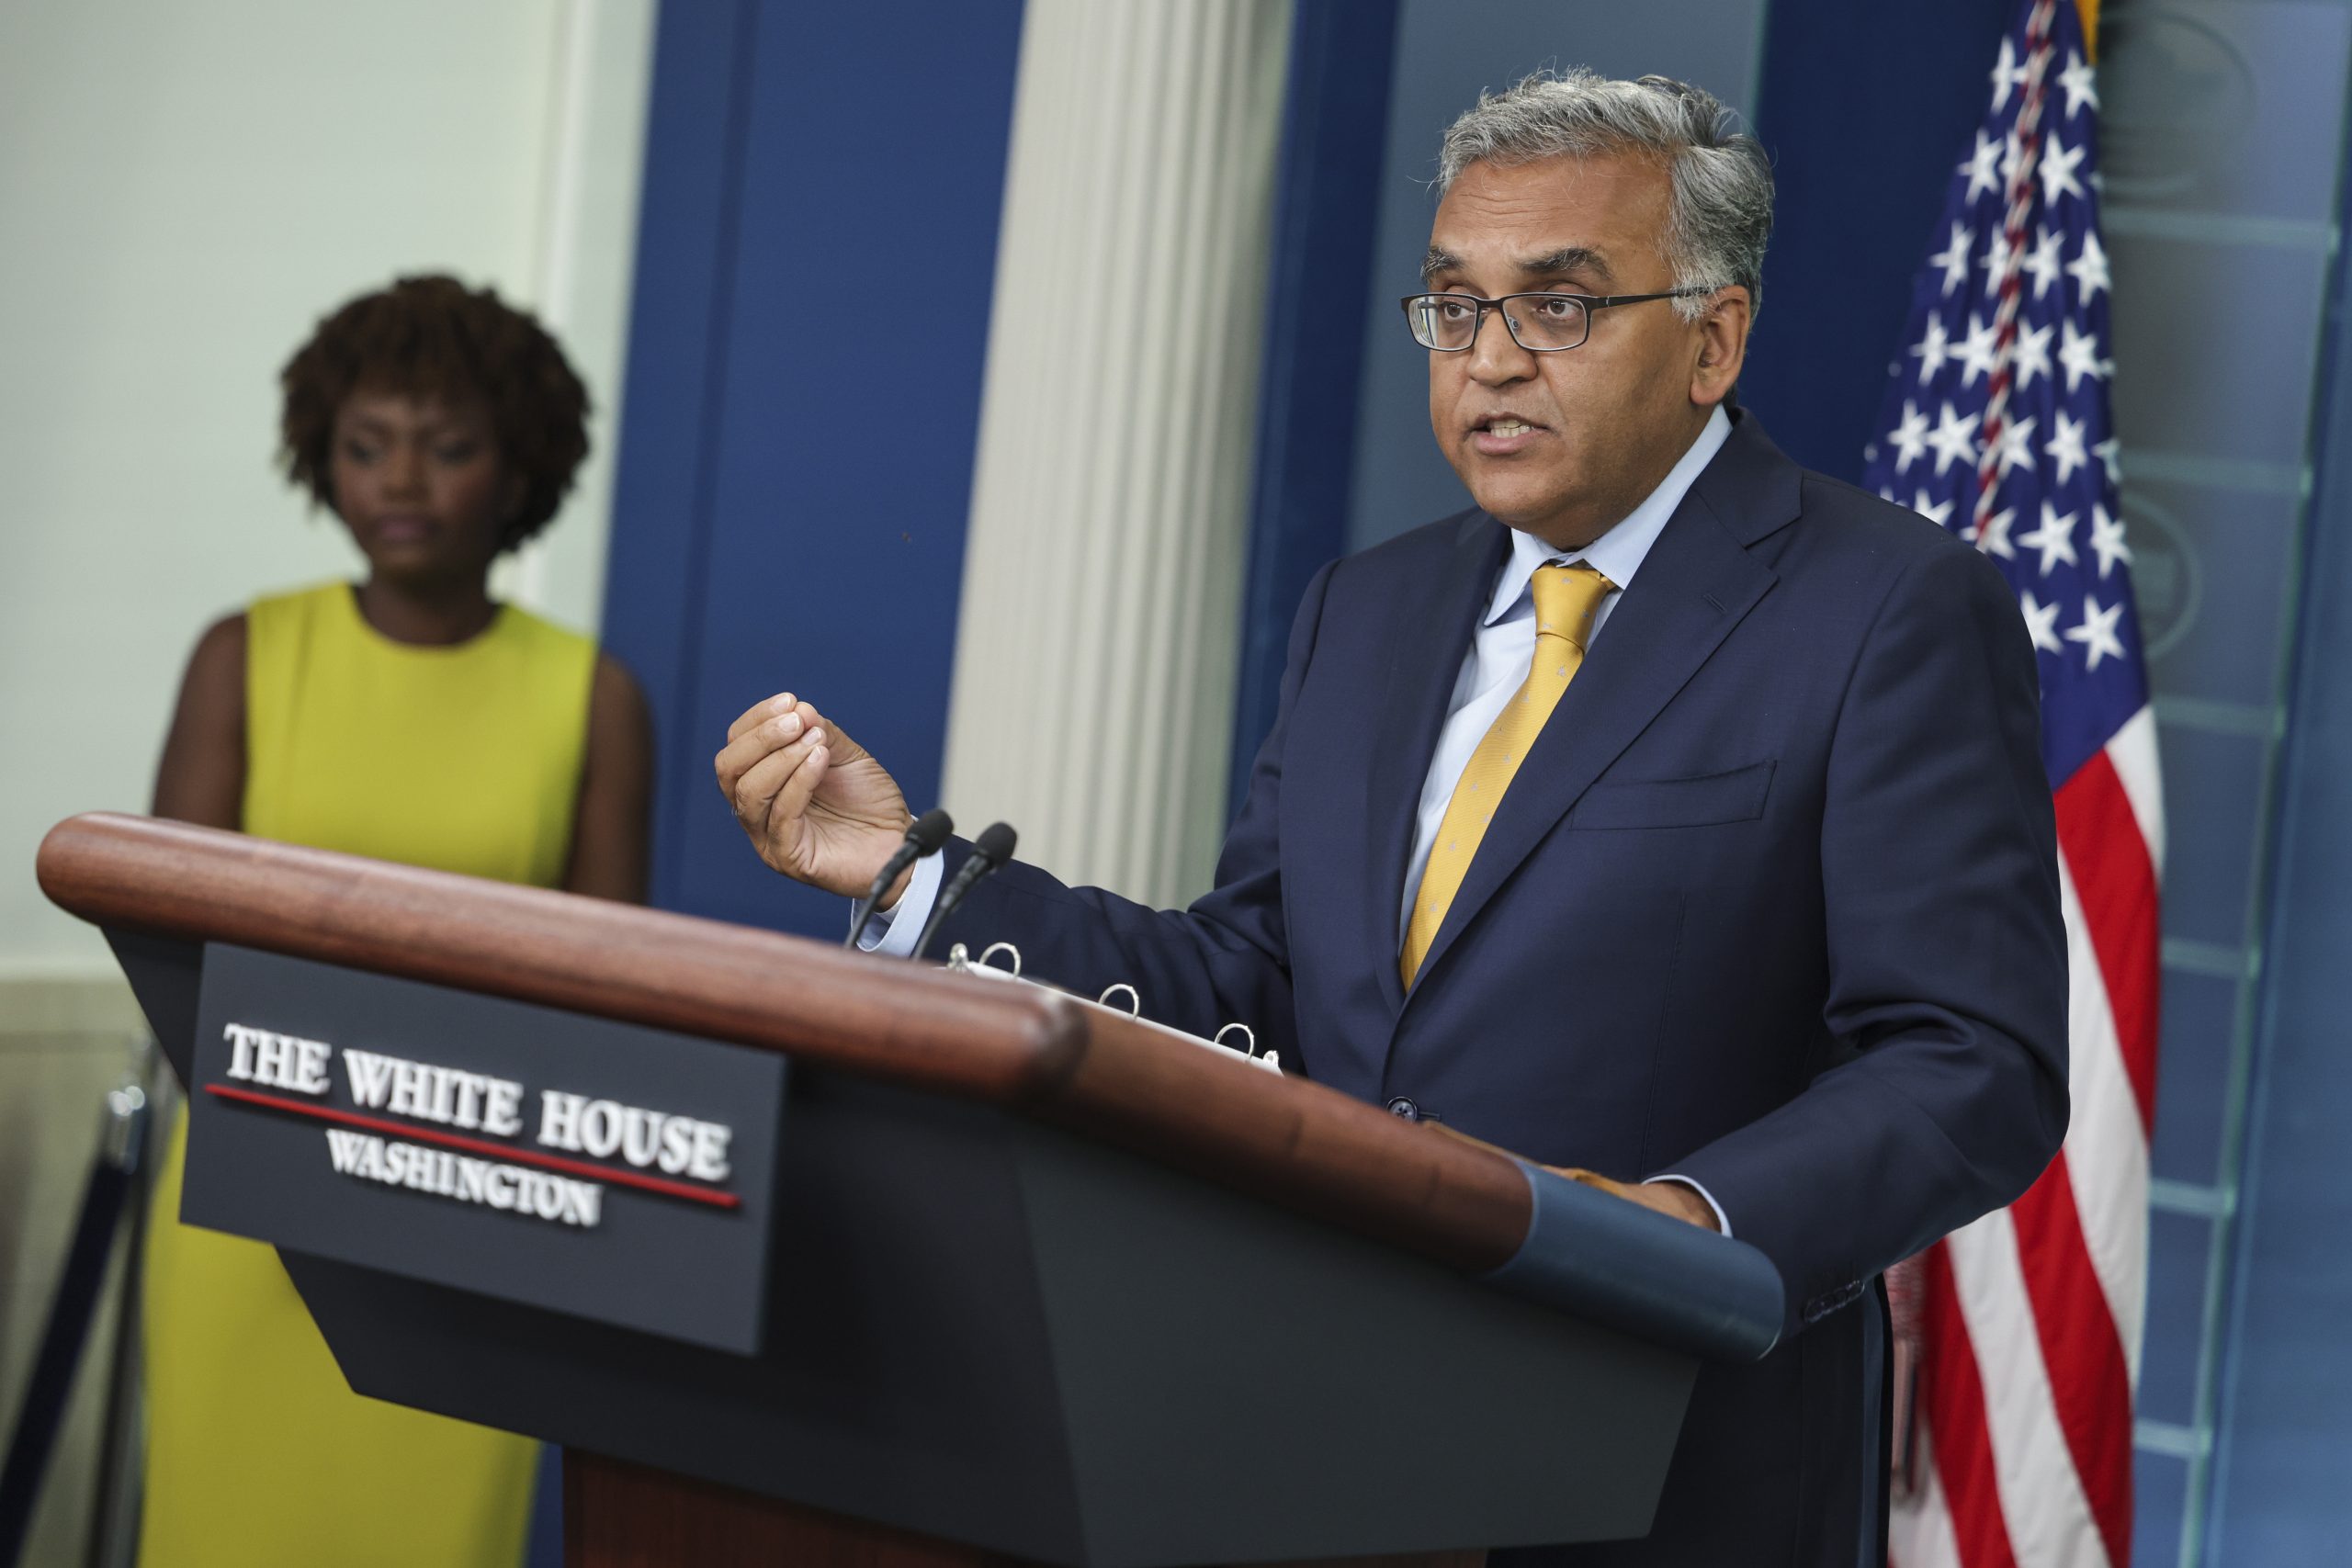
{"type": "Point", "coordinates": [184, 186]}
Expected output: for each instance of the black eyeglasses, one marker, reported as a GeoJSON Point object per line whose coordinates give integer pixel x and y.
{"type": "Point", "coordinates": [1541, 323]}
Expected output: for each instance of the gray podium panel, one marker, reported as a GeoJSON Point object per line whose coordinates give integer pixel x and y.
{"type": "Point", "coordinates": [991, 1331]}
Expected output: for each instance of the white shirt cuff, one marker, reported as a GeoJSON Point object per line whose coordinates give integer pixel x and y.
{"type": "Point", "coordinates": [1721, 1223]}
{"type": "Point", "coordinates": [894, 929]}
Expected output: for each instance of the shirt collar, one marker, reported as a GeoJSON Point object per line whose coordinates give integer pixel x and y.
{"type": "Point", "coordinates": [1618, 554]}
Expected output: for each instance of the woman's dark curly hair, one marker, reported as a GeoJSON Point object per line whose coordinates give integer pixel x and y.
{"type": "Point", "coordinates": [433, 337]}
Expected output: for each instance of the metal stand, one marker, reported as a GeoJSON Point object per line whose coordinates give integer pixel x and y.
{"type": "Point", "coordinates": [113, 1178]}
{"type": "Point", "coordinates": [122, 1445]}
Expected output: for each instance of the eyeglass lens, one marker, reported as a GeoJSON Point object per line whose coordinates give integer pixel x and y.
{"type": "Point", "coordinates": [1538, 321]}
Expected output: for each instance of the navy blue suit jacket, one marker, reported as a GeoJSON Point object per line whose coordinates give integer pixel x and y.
{"type": "Point", "coordinates": [1771, 903]}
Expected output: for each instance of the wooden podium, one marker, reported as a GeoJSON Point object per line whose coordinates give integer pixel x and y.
{"type": "Point", "coordinates": [1044, 1284]}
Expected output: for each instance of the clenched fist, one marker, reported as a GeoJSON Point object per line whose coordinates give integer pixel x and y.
{"type": "Point", "coordinates": [815, 804]}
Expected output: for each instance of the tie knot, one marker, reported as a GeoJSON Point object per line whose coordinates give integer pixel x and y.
{"type": "Point", "coordinates": [1566, 599]}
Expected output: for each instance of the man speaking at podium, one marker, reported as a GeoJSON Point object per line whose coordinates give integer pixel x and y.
{"type": "Point", "coordinates": [1675, 815]}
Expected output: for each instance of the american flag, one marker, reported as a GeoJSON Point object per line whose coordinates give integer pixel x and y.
{"type": "Point", "coordinates": [2019, 1337]}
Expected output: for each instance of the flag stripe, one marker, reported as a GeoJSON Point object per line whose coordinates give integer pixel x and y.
{"type": "Point", "coordinates": [2089, 1381]}
{"type": "Point", "coordinates": [2107, 1146]}
{"type": "Point", "coordinates": [1952, 1398]}
{"type": "Point", "coordinates": [2115, 879]}
{"type": "Point", "coordinates": [2049, 1518]}
{"type": "Point", "coordinates": [1922, 1534]}
{"type": "Point", "coordinates": [2133, 753]}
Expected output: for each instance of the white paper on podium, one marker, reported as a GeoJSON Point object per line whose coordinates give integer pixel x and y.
{"type": "Point", "coordinates": [961, 962]}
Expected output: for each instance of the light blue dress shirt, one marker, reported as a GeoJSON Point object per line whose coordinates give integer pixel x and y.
{"type": "Point", "coordinates": [1505, 645]}
{"type": "Point", "coordinates": [1497, 663]}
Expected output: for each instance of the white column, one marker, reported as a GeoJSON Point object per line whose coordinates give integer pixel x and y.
{"type": "Point", "coordinates": [584, 253]}
{"type": "Point", "coordinates": [1095, 657]}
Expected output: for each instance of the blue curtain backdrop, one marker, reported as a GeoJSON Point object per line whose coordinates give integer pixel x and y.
{"type": "Point", "coordinates": [796, 471]}
{"type": "Point", "coordinates": [1864, 106]}
{"type": "Point", "coordinates": [1327, 202]}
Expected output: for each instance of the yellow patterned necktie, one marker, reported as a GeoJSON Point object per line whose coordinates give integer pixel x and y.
{"type": "Point", "coordinates": [1566, 598]}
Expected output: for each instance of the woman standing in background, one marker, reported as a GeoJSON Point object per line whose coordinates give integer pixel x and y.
{"type": "Point", "coordinates": [410, 718]}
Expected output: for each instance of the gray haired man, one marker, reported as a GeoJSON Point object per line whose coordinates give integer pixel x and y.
{"type": "Point", "coordinates": [1673, 816]}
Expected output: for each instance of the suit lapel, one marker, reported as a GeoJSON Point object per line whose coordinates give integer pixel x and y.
{"type": "Point", "coordinates": [1424, 660]}
{"type": "Point", "coordinates": [1697, 583]}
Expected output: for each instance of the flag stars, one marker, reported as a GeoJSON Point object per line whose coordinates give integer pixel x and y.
{"type": "Point", "coordinates": [2078, 80]}
{"type": "Point", "coordinates": [1998, 252]}
{"type": "Point", "coordinates": [2097, 632]}
{"type": "Point", "coordinates": [2078, 355]}
{"type": "Point", "coordinates": [2059, 162]}
{"type": "Point", "coordinates": [1982, 166]}
{"type": "Point", "coordinates": [2007, 73]}
{"type": "Point", "coordinates": [2041, 261]}
{"type": "Point", "coordinates": [1989, 383]}
{"type": "Point", "coordinates": [2089, 270]}
{"type": "Point", "coordinates": [1981, 351]}
{"type": "Point", "coordinates": [1932, 349]}
{"type": "Point", "coordinates": [2017, 445]}
{"type": "Point", "coordinates": [1993, 539]}
{"type": "Point", "coordinates": [2065, 446]}
{"type": "Point", "coordinates": [2107, 540]}
{"type": "Point", "coordinates": [2030, 355]}
{"type": "Point", "coordinates": [2055, 538]}
{"type": "Point", "coordinates": [2041, 622]}
{"type": "Point", "coordinates": [1952, 439]}
{"type": "Point", "coordinates": [1910, 439]}
{"type": "Point", "coordinates": [1954, 259]}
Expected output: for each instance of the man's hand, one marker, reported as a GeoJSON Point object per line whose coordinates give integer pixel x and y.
{"type": "Point", "coordinates": [1671, 1198]}
{"type": "Point", "coordinates": [815, 804]}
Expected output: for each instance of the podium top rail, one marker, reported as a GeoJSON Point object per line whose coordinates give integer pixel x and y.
{"type": "Point", "coordinates": [1031, 1051]}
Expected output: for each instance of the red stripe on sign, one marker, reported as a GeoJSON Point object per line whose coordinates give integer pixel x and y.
{"type": "Point", "coordinates": [2115, 876]}
{"type": "Point", "coordinates": [477, 1145]}
{"type": "Point", "coordinates": [2089, 1380]}
{"type": "Point", "coordinates": [1952, 1395]}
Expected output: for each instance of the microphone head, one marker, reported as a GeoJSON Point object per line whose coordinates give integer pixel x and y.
{"type": "Point", "coordinates": [995, 844]}
{"type": "Point", "coordinates": [931, 830]}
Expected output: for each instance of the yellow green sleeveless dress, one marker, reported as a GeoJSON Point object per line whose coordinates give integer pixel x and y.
{"type": "Point", "coordinates": [467, 758]}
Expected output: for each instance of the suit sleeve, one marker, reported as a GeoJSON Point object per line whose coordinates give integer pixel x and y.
{"type": "Point", "coordinates": [1224, 960]}
{"type": "Point", "coordinates": [1947, 950]}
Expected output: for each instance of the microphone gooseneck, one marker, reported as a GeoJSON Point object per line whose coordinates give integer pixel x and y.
{"type": "Point", "coordinates": [989, 850]}
{"type": "Point", "coordinates": [924, 835]}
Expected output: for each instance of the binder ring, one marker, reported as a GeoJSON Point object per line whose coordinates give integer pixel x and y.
{"type": "Point", "coordinates": [1250, 1040]}
{"type": "Point", "coordinates": [1134, 996]}
{"type": "Point", "coordinates": [960, 961]}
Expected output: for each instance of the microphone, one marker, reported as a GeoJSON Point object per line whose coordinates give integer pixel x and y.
{"type": "Point", "coordinates": [923, 838]}
{"type": "Point", "coordinates": [992, 849]}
